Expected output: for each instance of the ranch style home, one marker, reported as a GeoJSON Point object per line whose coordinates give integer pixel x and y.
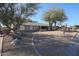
{"type": "Point", "coordinates": [34, 26]}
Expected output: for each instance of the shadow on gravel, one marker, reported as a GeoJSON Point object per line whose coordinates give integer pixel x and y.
{"type": "Point", "coordinates": [56, 46]}
{"type": "Point", "coordinates": [45, 45]}
{"type": "Point", "coordinates": [24, 49]}
{"type": "Point", "coordinates": [48, 46]}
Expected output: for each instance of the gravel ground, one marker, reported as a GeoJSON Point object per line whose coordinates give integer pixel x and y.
{"type": "Point", "coordinates": [25, 49]}
{"type": "Point", "coordinates": [50, 43]}
{"type": "Point", "coordinates": [54, 43]}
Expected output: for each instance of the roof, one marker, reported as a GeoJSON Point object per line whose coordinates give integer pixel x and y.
{"type": "Point", "coordinates": [35, 24]}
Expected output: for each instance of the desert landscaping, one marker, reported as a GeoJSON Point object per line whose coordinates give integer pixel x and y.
{"type": "Point", "coordinates": [39, 29]}
{"type": "Point", "coordinates": [44, 43]}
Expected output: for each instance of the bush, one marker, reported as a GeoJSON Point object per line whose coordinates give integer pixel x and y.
{"type": "Point", "coordinates": [6, 31]}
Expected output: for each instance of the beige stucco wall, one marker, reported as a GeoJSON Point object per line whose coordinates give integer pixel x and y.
{"type": "Point", "coordinates": [22, 27]}
{"type": "Point", "coordinates": [28, 27]}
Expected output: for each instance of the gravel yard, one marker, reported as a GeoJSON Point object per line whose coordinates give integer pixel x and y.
{"type": "Point", "coordinates": [50, 43]}
{"type": "Point", "coordinates": [25, 49]}
{"type": "Point", "coordinates": [54, 43]}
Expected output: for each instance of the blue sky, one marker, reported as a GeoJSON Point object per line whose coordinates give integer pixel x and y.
{"type": "Point", "coordinates": [71, 11]}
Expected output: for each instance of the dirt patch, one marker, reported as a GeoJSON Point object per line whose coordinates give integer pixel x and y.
{"type": "Point", "coordinates": [55, 33]}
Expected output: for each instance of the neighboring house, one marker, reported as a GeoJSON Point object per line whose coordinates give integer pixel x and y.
{"type": "Point", "coordinates": [34, 26]}
{"type": "Point", "coordinates": [74, 28]}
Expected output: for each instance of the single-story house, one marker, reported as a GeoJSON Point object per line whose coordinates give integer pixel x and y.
{"type": "Point", "coordinates": [34, 26]}
{"type": "Point", "coordinates": [71, 28]}
{"type": "Point", "coordinates": [74, 28]}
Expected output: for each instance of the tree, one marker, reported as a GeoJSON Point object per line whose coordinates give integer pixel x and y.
{"type": "Point", "coordinates": [30, 20]}
{"type": "Point", "coordinates": [15, 14]}
{"type": "Point", "coordinates": [54, 15]}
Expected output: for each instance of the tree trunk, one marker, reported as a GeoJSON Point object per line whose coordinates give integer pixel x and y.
{"type": "Point", "coordinates": [50, 26]}
{"type": "Point", "coordinates": [55, 24]}
{"type": "Point", "coordinates": [16, 27]}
